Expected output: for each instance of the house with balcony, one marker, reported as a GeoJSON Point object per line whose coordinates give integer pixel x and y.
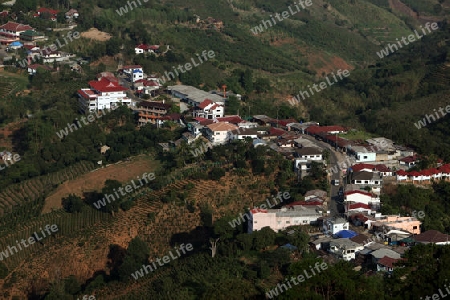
{"type": "Point", "coordinates": [304, 157]}
{"type": "Point", "coordinates": [219, 133]}
{"type": "Point", "coordinates": [334, 225]}
{"type": "Point", "coordinates": [151, 112]}
{"type": "Point", "coordinates": [134, 72]}
{"type": "Point", "coordinates": [358, 196]}
{"type": "Point", "coordinates": [345, 248]}
{"type": "Point", "coordinates": [147, 86]}
{"type": "Point", "coordinates": [365, 178]}
{"type": "Point", "coordinates": [208, 110]}
{"type": "Point", "coordinates": [103, 93]}
{"type": "Point", "coordinates": [13, 29]}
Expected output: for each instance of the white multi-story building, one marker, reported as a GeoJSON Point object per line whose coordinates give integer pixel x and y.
{"type": "Point", "coordinates": [334, 225]}
{"type": "Point", "coordinates": [105, 93]}
{"type": "Point", "coordinates": [219, 133]}
{"type": "Point", "coordinates": [345, 248]}
{"type": "Point", "coordinates": [208, 110]}
{"type": "Point", "coordinates": [134, 72]}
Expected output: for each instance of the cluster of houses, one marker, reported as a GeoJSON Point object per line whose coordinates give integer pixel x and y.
{"type": "Point", "coordinates": [391, 235]}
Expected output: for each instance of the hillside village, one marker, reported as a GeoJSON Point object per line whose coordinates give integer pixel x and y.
{"type": "Point", "coordinates": [358, 231]}
{"type": "Point", "coordinates": [217, 138]}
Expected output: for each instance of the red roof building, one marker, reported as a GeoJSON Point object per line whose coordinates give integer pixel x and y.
{"type": "Point", "coordinates": [387, 262]}
{"type": "Point", "coordinates": [314, 130]}
{"type": "Point", "coordinates": [13, 29]}
{"type": "Point", "coordinates": [104, 85]}
{"type": "Point", "coordinates": [46, 13]}
{"type": "Point", "coordinates": [230, 119]}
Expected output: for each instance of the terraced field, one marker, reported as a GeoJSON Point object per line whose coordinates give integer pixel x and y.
{"type": "Point", "coordinates": [30, 190]}
{"type": "Point", "coordinates": [10, 85]}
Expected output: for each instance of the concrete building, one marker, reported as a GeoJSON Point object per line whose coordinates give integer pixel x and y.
{"type": "Point", "coordinates": [103, 94]}
{"type": "Point", "coordinates": [345, 248]}
{"type": "Point", "coordinates": [280, 219]}
{"type": "Point", "coordinates": [334, 225]}
{"type": "Point", "coordinates": [194, 96]}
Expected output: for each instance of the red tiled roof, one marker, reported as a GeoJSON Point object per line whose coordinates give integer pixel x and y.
{"type": "Point", "coordinates": [47, 10]}
{"type": "Point", "coordinates": [357, 192]}
{"type": "Point", "coordinates": [205, 103]}
{"type": "Point", "coordinates": [230, 119]}
{"type": "Point", "coordinates": [276, 131]}
{"type": "Point", "coordinates": [445, 168]}
{"type": "Point", "coordinates": [305, 203]}
{"type": "Point", "coordinates": [431, 236]}
{"type": "Point", "coordinates": [387, 261]}
{"type": "Point", "coordinates": [146, 47]}
{"type": "Point", "coordinates": [402, 173]}
{"type": "Point", "coordinates": [324, 129]}
{"type": "Point", "coordinates": [358, 205]}
{"type": "Point", "coordinates": [15, 27]}
{"type": "Point", "coordinates": [382, 168]}
{"type": "Point", "coordinates": [29, 47]}
{"type": "Point", "coordinates": [131, 67]}
{"type": "Point", "coordinates": [258, 210]}
{"type": "Point", "coordinates": [105, 85]}
{"type": "Point", "coordinates": [414, 173]}
{"type": "Point", "coordinates": [287, 121]}
{"type": "Point", "coordinates": [36, 66]}
{"type": "Point", "coordinates": [359, 167]}
{"type": "Point", "coordinates": [409, 159]}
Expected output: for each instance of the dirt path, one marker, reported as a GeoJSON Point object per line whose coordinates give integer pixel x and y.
{"type": "Point", "coordinates": [95, 180]}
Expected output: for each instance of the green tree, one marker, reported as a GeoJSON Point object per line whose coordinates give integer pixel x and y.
{"type": "Point", "coordinates": [72, 203]}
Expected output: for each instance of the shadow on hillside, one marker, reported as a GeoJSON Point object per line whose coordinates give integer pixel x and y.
{"type": "Point", "coordinates": [199, 237]}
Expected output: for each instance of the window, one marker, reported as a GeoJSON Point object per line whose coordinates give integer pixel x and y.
{"type": "Point", "coordinates": [288, 222]}
{"type": "Point", "coordinates": [365, 157]}
{"type": "Point", "coordinates": [305, 222]}
{"type": "Point", "coordinates": [414, 227]}
{"type": "Point", "coordinates": [217, 133]}
{"type": "Point", "coordinates": [255, 222]}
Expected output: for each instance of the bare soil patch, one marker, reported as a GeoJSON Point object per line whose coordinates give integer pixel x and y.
{"type": "Point", "coordinates": [123, 172]}
{"type": "Point", "coordinates": [95, 34]}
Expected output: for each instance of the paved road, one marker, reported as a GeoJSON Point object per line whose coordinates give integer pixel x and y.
{"type": "Point", "coordinates": [336, 158]}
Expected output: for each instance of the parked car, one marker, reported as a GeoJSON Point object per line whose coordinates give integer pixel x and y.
{"type": "Point", "coordinates": [335, 182]}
